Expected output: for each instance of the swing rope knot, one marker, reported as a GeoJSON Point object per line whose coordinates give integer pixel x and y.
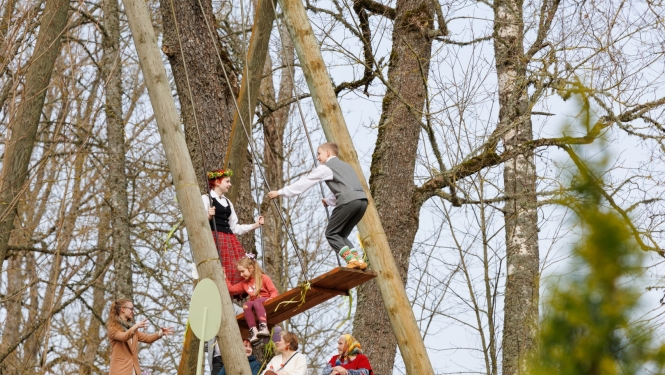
{"type": "Point", "coordinates": [304, 288]}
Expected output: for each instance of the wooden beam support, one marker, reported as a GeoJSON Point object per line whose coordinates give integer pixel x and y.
{"type": "Point", "coordinates": [182, 171]}
{"type": "Point", "coordinates": [397, 304]}
{"type": "Point", "coordinates": [249, 90]}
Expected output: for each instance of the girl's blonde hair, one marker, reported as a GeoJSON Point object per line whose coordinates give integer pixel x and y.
{"type": "Point", "coordinates": [114, 314]}
{"type": "Point", "coordinates": [250, 264]}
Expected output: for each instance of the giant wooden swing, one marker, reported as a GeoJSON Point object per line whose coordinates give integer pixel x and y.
{"type": "Point", "coordinates": [371, 231]}
{"type": "Point", "coordinates": [336, 282]}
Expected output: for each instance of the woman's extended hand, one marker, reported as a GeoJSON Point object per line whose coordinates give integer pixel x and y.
{"type": "Point", "coordinates": [142, 324]}
{"type": "Point", "coordinates": [273, 194]}
{"type": "Point", "coordinates": [259, 221]}
{"type": "Point", "coordinates": [166, 330]}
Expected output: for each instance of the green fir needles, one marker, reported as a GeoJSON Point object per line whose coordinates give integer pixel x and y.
{"type": "Point", "coordinates": [586, 328]}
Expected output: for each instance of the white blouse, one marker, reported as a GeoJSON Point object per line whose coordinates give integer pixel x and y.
{"type": "Point", "coordinates": [236, 228]}
{"type": "Point", "coordinates": [296, 366]}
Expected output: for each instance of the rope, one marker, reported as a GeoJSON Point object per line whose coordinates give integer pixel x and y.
{"type": "Point", "coordinates": [196, 121]}
{"type": "Point", "coordinates": [249, 101]}
{"type": "Point", "coordinates": [253, 150]}
{"type": "Point", "coordinates": [206, 260]}
{"type": "Point", "coordinates": [302, 118]}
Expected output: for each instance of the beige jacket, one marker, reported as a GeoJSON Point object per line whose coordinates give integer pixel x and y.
{"type": "Point", "coordinates": [125, 352]}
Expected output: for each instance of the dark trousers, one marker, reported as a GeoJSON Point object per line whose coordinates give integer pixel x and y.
{"type": "Point", "coordinates": [342, 221]}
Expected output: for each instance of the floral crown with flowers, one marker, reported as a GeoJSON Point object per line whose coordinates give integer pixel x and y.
{"type": "Point", "coordinates": [250, 256]}
{"type": "Point", "coordinates": [220, 174]}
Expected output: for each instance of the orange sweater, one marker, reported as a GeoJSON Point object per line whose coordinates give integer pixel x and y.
{"type": "Point", "coordinates": [247, 286]}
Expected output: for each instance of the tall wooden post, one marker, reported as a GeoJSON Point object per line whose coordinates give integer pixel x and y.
{"type": "Point", "coordinates": [402, 320]}
{"type": "Point", "coordinates": [187, 191]}
{"type": "Point", "coordinates": [249, 90]}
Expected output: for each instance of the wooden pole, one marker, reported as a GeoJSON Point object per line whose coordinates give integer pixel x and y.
{"type": "Point", "coordinates": [392, 290]}
{"type": "Point", "coordinates": [187, 191]}
{"type": "Point", "coordinates": [236, 151]}
{"type": "Point", "coordinates": [249, 90]}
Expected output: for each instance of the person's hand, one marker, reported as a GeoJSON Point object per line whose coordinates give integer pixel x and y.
{"type": "Point", "coordinates": [166, 330]}
{"type": "Point", "coordinates": [273, 194]}
{"type": "Point", "coordinates": [339, 370]}
{"type": "Point", "coordinates": [325, 202]}
{"type": "Point", "coordinates": [142, 324]}
{"type": "Point", "coordinates": [211, 211]}
{"type": "Point", "coordinates": [260, 220]}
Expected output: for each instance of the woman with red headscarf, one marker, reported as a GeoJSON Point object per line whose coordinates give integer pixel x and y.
{"type": "Point", "coordinates": [350, 360]}
{"type": "Point", "coordinates": [224, 223]}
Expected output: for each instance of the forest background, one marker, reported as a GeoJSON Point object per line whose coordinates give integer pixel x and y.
{"type": "Point", "coordinates": [463, 113]}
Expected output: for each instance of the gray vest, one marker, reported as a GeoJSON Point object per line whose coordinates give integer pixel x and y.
{"type": "Point", "coordinates": [345, 183]}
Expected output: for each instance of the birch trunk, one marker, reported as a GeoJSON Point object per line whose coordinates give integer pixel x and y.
{"type": "Point", "coordinates": [519, 177]}
{"type": "Point", "coordinates": [19, 147]}
{"type": "Point", "coordinates": [115, 127]}
{"type": "Point", "coordinates": [394, 160]}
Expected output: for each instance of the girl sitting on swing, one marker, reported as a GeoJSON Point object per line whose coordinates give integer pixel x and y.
{"type": "Point", "coordinates": [260, 288]}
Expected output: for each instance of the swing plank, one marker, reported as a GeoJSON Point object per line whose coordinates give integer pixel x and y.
{"type": "Point", "coordinates": [338, 281]}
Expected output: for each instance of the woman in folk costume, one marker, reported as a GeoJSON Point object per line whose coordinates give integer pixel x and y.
{"type": "Point", "coordinates": [350, 359]}
{"type": "Point", "coordinates": [224, 223]}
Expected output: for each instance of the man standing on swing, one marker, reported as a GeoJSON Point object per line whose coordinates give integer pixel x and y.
{"type": "Point", "coordinates": [348, 198]}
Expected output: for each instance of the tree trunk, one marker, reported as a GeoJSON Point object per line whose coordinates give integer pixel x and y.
{"type": "Point", "coordinates": [394, 160]}
{"type": "Point", "coordinates": [21, 142]}
{"type": "Point", "coordinates": [519, 177]}
{"type": "Point", "coordinates": [244, 203]}
{"type": "Point", "coordinates": [13, 322]}
{"type": "Point", "coordinates": [206, 100]}
{"type": "Point", "coordinates": [274, 124]}
{"type": "Point", "coordinates": [257, 52]}
{"type": "Point", "coordinates": [115, 127]}
{"type": "Point", "coordinates": [184, 179]}
{"type": "Point", "coordinates": [92, 338]}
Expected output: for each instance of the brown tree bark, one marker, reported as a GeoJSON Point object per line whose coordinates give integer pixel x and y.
{"type": "Point", "coordinates": [206, 90]}
{"type": "Point", "coordinates": [205, 95]}
{"type": "Point", "coordinates": [394, 160]}
{"type": "Point", "coordinates": [92, 337]}
{"type": "Point", "coordinates": [115, 127]}
{"type": "Point", "coordinates": [519, 178]}
{"type": "Point", "coordinates": [21, 142]}
{"type": "Point", "coordinates": [274, 124]}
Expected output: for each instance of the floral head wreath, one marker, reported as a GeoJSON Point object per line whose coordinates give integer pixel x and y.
{"type": "Point", "coordinates": [251, 256]}
{"type": "Point", "coordinates": [220, 174]}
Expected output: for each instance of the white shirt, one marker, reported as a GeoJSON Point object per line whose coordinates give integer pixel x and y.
{"type": "Point", "coordinates": [236, 228]}
{"type": "Point", "coordinates": [321, 173]}
{"type": "Point", "coordinates": [296, 366]}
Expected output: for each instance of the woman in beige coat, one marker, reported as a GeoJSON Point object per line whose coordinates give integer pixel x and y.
{"type": "Point", "coordinates": [125, 338]}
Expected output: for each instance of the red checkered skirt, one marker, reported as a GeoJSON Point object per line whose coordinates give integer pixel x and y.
{"type": "Point", "coordinates": [230, 250]}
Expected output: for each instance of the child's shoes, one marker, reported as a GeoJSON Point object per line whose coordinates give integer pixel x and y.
{"type": "Point", "coordinates": [358, 262]}
{"type": "Point", "coordinates": [253, 337]}
{"type": "Point", "coordinates": [352, 258]}
{"type": "Point", "coordinates": [263, 330]}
